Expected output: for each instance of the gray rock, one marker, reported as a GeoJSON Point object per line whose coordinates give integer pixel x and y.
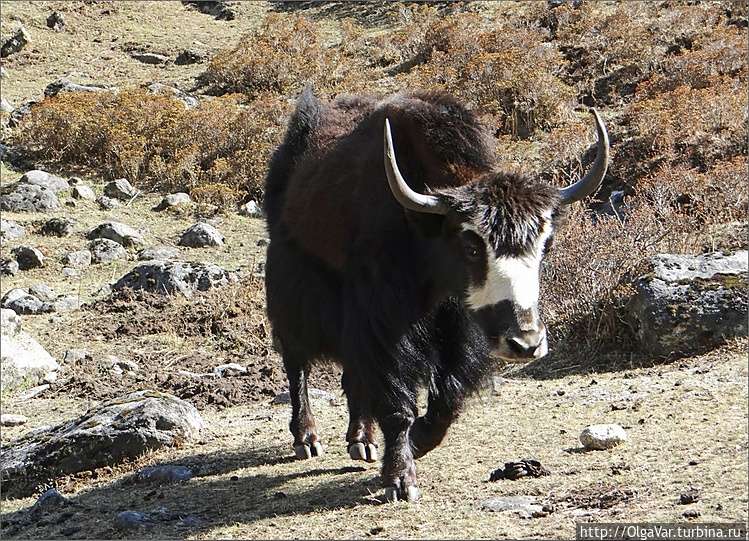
{"type": "Point", "coordinates": [56, 21]}
{"type": "Point", "coordinates": [165, 475]}
{"type": "Point", "coordinates": [109, 433]}
{"type": "Point", "coordinates": [59, 227]}
{"type": "Point", "coordinates": [15, 43]}
{"type": "Point", "coordinates": [22, 359]}
{"type": "Point", "coordinates": [42, 292]}
{"type": "Point", "coordinates": [285, 397]}
{"type": "Point", "coordinates": [251, 209]}
{"type": "Point", "coordinates": [107, 203]}
{"type": "Point", "coordinates": [5, 107]}
{"type": "Point", "coordinates": [78, 260]}
{"type": "Point", "coordinates": [230, 369]}
{"type": "Point", "coordinates": [11, 230]}
{"type": "Point", "coordinates": [13, 419]}
{"type": "Point", "coordinates": [150, 58]}
{"type": "Point", "coordinates": [120, 233]}
{"type": "Point", "coordinates": [160, 252]}
{"type": "Point", "coordinates": [22, 197]}
{"type": "Point", "coordinates": [132, 520]}
{"type": "Point", "coordinates": [44, 179]}
{"type": "Point", "coordinates": [66, 85]}
{"type": "Point", "coordinates": [191, 56]}
{"type": "Point", "coordinates": [120, 189]}
{"type": "Point", "coordinates": [600, 437]}
{"type": "Point", "coordinates": [76, 356]}
{"type": "Point", "coordinates": [175, 276]}
{"type": "Point", "coordinates": [201, 235]}
{"type": "Point", "coordinates": [158, 88]}
{"type": "Point", "coordinates": [524, 506]}
{"type": "Point", "coordinates": [67, 303]}
{"type": "Point", "coordinates": [106, 250]}
{"type": "Point", "coordinates": [173, 200]}
{"type": "Point", "coordinates": [34, 392]}
{"type": "Point", "coordinates": [117, 366]}
{"type": "Point", "coordinates": [49, 501]}
{"type": "Point", "coordinates": [81, 191]}
{"type": "Point", "coordinates": [28, 257]}
{"type": "Point", "coordinates": [9, 266]}
{"type": "Point", "coordinates": [690, 304]}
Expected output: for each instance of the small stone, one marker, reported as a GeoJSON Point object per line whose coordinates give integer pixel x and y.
{"type": "Point", "coordinates": [107, 203]}
{"type": "Point", "coordinates": [173, 200]}
{"type": "Point", "coordinates": [158, 253]}
{"type": "Point", "coordinates": [120, 189]}
{"type": "Point", "coordinates": [75, 356]}
{"type": "Point", "coordinates": [132, 520]}
{"type": "Point", "coordinates": [59, 227]}
{"type": "Point", "coordinates": [49, 501]}
{"type": "Point", "coordinates": [201, 235]}
{"type": "Point", "coordinates": [231, 369]}
{"type": "Point", "coordinates": [56, 21]}
{"type": "Point", "coordinates": [13, 419]}
{"type": "Point", "coordinates": [604, 436]}
{"type": "Point", "coordinates": [81, 191]}
{"type": "Point", "coordinates": [42, 292]}
{"type": "Point", "coordinates": [251, 209]}
{"type": "Point", "coordinates": [165, 474]}
{"type": "Point", "coordinates": [150, 58]}
{"type": "Point", "coordinates": [77, 260]}
{"type": "Point", "coordinates": [34, 392]}
{"type": "Point", "coordinates": [106, 250]}
{"type": "Point", "coordinates": [41, 178]}
{"type": "Point", "coordinates": [11, 230]}
{"type": "Point", "coordinates": [120, 233]}
{"type": "Point", "coordinates": [190, 56]}
{"type": "Point", "coordinates": [21, 302]}
{"type": "Point", "coordinates": [9, 267]}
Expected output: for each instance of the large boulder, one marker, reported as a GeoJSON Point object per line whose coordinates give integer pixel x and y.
{"type": "Point", "coordinates": [169, 277]}
{"type": "Point", "coordinates": [23, 361]}
{"type": "Point", "coordinates": [109, 433]}
{"type": "Point", "coordinates": [689, 304]}
{"type": "Point", "coordinates": [24, 197]}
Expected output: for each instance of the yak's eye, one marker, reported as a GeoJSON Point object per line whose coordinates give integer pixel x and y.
{"type": "Point", "coordinates": [473, 246]}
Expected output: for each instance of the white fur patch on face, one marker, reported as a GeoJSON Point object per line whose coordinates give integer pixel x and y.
{"type": "Point", "coordinates": [514, 279]}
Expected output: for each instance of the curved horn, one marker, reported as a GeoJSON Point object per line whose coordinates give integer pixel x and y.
{"type": "Point", "coordinates": [591, 181]}
{"type": "Point", "coordinates": [401, 190]}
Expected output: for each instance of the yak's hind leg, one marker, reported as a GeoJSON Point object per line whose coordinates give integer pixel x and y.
{"type": "Point", "coordinates": [360, 436]}
{"type": "Point", "coordinates": [307, 443]}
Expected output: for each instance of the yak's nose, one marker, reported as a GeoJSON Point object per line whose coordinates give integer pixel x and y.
{"type": "Point", "coordinates": [528, 344]}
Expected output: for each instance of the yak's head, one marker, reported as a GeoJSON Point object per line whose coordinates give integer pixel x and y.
{"type": "Point", "coordinates": [499, 227]}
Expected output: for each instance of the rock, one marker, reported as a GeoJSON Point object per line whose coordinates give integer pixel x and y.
{"type": "Point", "coordinates": [132, 520]}
{"type": "Point", "coordinates": [285, 396]}
{"type": "Point", "coordinates": [13, 419]}
{"type": "Point", "coordinates": [117, 366]}
{"type": "Point", "coordinates": [28, 257]}
{"type": "Point", "coordinates": [15, 43]}
{"type": "Point", "coordinates": [68, 303]}
{"type": "Point", "coordinates": [150, 58]}
{"type": "Point", "coordinates": [600, 437]}
{"type": "Point", "coordinates": [5, 107]}
{"type": "Point", "coordinates": [64, 85]}
{"type": "Point", "coordinates": [690, 304]}
{"type": "Point", "coordinates": [22, 197]}
{"type": "Point", "coordinates": [221, 10]}
{"type": "Point", "coordinates": [158, 88]}
{"type": "Point", "coordinates": [160, 252]}
{"type": "Point", "coordinates": [81, 191]}
{"type": "Point", "coordinates": [165, 475]}
{"type": "Point", "coordinates": [75, 356]}
{"type": "Point", "coordinates": [49, 501]}
{"type": "Point", "coordinates": [59, 227]}
{"type": "Point", "coordinates": [201, 235]}
{"type": "Point", "coordinates": [173, 200]}
{"type": "Point", "coordinates": [11, 230]}
{"type": "Point", "coordinates": [524, 506]}
{"type": "Point", "coordinates": [22, 359]}
{"type": "Point", "coordinates": [231, 369]}
{"type": "Point", "coordinates": [251, 209]}
{"type": "Point", "coordinates": [106, 250]}
{"type": "Point", "coordinates": [191, 56]}
{"type": "Point", "coordinates": [42, 292]}
{"type": "Point", "coordinates": [109, 433]}
{"type": "Point", "coordinates": [56, 21]}
{"type": "Point", "coordinates": [78, 260]}
{"type": "Point", "coordinates": [120, 233]}
{"type": "Point", "coordinates": [44, 179]}
{"type": "Point", "coordinates": [21, 302]}
{"type": "Point", "coordinates": [174, 276]}
{"type": "Point", "coordinates": [34, 392]}
{"type": "Point", "coordinates": [107, 203]}
{"type": "Point", "coordinates": [120, 189]}
{"type": "Point", "coordinates": [9, 266]}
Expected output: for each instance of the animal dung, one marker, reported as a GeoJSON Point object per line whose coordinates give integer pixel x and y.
{"type": "Point", "coordinates": [600, 437]}
{"type": "Point", "coordinates": [515, 470]}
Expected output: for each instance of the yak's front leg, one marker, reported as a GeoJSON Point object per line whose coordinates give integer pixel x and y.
{"type": "Point", "coordinates": [360, 436]}
{"type": "Point", "coordinates": [398, 467]}
{"type": "Point", "coordinates": [306, 441]}
{"type": "Point", "coordinates": [429, 430]}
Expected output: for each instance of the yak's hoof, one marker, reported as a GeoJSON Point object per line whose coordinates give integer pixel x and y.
{"type": "Point", "coordinates": [394, 494]}
{"type": "Point", "coordinates": [308, 450]}
{"type": "Point", "coordinates": [360, 451]}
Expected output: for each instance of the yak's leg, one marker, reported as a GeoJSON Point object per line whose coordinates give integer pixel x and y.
{"type": "Point", "coordinates": [429, 429]}
{"type": "Point", "coordinates": [360, 435]}
{"type": "Point", "coordinates": [398, 467]}
{"type": "Point", "coordinates": [306, 441]}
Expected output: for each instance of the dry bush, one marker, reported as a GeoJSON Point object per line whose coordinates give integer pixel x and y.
{"type": "Point", "coordinates": [285, 52]}
{"type": "Point", "coordinates": [216, 151]}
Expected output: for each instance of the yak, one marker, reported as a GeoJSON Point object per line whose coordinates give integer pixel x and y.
{"type": "Point", "coordinates": [401, 252]}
